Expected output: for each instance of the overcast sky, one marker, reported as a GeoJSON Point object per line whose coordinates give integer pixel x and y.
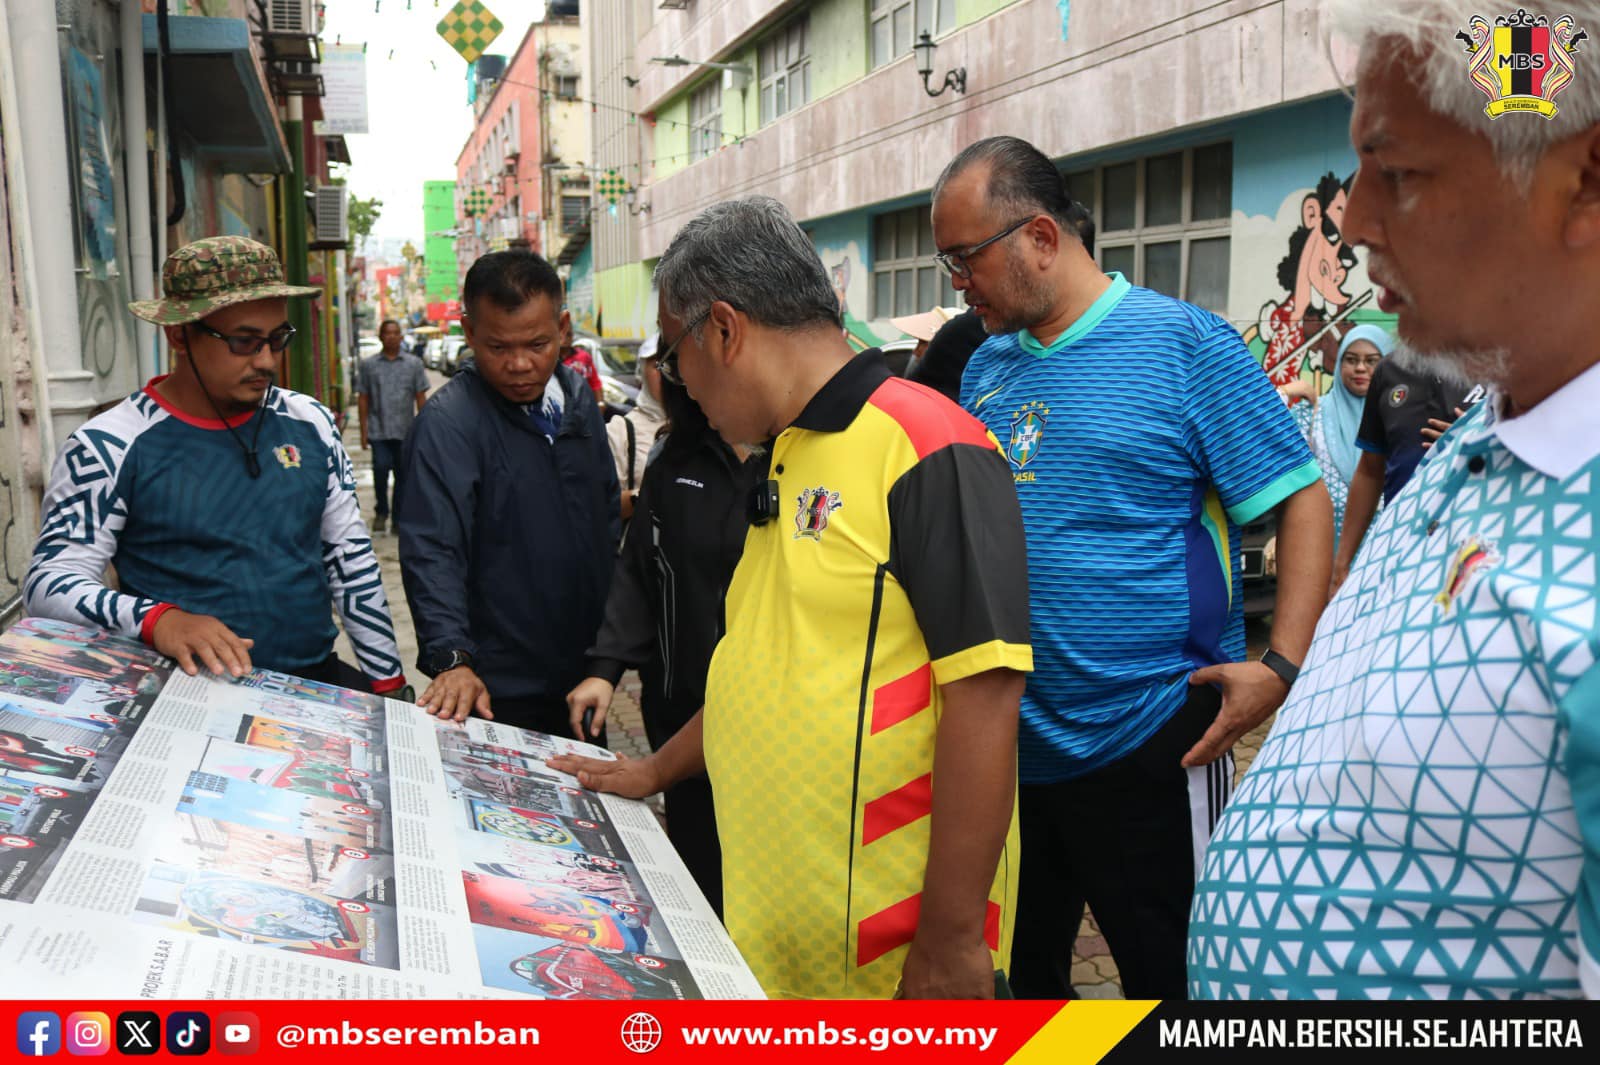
{"type": "Point", "coordinates": [416, 102]}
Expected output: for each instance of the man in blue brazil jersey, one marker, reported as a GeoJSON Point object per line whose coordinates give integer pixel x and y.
{"type": "Point", "coordinates": [1141, 435]}
{"type": "Point", "coordinates": [226, 504]}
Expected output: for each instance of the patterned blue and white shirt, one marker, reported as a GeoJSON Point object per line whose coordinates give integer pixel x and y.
{"type": "Point", "coordinates": [1423, 820]}
{"type": "Point", "coordinates": [167, 499]}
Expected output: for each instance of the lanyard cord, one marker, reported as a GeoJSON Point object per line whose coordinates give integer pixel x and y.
{"type": "Point", "coordinates": [252, 464]}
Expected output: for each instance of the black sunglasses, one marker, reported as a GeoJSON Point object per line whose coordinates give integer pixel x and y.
{"type": "Point", "coordinates": [250, 343]}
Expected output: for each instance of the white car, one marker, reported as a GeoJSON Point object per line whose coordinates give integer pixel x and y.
{"type": "Point", "coordinates": [450, 359]}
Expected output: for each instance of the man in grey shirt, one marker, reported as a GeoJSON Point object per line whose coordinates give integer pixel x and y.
{"type": "Point", "coordinates": [390, 390]}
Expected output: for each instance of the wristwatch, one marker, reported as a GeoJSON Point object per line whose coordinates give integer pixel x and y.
{"type": "Point", "coordinates": [448, 660]}
{"type": "Point", "coordinates": [1280, 665]}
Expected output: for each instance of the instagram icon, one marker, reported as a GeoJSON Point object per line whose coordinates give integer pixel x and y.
{"type": "Point", "coordinates": [88, 1033]}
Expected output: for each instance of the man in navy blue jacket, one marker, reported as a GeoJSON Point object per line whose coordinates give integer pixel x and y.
{"type": "Point", "coordinates": [509, 519]}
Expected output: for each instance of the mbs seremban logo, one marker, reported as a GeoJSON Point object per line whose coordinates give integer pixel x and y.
{"type": "Point", "coordinates": [1522, 61]}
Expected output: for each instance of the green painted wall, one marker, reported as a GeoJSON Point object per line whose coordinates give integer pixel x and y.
{"type": "Point", "coordinates": [624, 302]}
{"type": "Point", "coordinates": [672, 136]}
{"type": "Point", "coordinates": [838, 40]}
{"type": "Point", "coordinates": [968, 11]}
{"type": "Point", "coordinates": [439, 253]}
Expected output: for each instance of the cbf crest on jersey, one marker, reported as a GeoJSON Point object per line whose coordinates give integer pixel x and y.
{"type": "Point", "coordinates": [288, 456]}
{"type": "Point", "coordinates": [811, 517]}
{"type": "Point", "coordinates": [1522, 61]}
{"type": "Point", "coordinates": [1027, 433]}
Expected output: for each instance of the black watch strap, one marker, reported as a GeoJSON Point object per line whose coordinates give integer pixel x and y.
{"type": "Point", "coordinates": [448, 660]}
{"type": "Point", "coordinates": [1281, 666]}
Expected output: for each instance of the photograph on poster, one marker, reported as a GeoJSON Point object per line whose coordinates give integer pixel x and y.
{"type": "Point", "coordinates": [238, 908]}
{"type": "Point", "coordinates": [316, 691]}
{"type": "Point", "coordinates": [608, 924]}
{"type": "Point", "coordinates": [545, 829]}
{"type": "Point", "coordinates": [272, 857]}
{"type": "Point", "coordinates": [285, 769]}
{"type": "Point", "coordinates": [337, 821]}
{"type": "Point", "coordinates": [81, 652]}
{"type": "Point", "coordinates": [592, 874]}
{"type": "Point", "coordinates": [48, 686]}
{"type": "Point", "coordinates": [90, 722]}
{"type": "Point", "coordinates": [38, 818]}
{"type": "Point", "coordinates": [556, 969]}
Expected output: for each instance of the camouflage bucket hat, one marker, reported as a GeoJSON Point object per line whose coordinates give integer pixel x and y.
{"type": "Point", "coordinates": [213, 273]}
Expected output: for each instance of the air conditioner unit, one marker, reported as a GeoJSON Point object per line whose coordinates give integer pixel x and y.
{"type": "Point", "coordinates": [562, 61]}
{"type": "Point", "coordinates": [332, 216]}
{"type": "Point", "coordinates": [291, 16]}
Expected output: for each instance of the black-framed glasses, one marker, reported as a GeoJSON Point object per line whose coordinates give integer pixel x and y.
{"type": "Point", "coordinates": [250, 343]}
{"type": "Point", "coordinates": [954, 263]}
{"type": "Point", "coordinates": [667, 361]}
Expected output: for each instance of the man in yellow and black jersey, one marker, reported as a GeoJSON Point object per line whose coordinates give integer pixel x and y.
{"type": "Point", "coordinates": [860, 719]}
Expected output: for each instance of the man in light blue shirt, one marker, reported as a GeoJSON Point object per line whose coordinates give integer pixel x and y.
{"type": "Point", "coordinates": [1141, 435]}
{"type": "Point", "coordinates": [1424, 819]}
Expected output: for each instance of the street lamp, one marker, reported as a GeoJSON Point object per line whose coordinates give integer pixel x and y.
{"type": "Point", "coordinates": [740, 73]}
{"type": "Point", "coordinates": [955, 79]}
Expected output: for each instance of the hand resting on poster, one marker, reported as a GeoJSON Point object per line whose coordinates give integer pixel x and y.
{"type": "Point", "coordinates": [455, 694]}
{"type": "Point", "coordinates": [186, 637]}
{"type": "Point", "coordinates": [635, 778]}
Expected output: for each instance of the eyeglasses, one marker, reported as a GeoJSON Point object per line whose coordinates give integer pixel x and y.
{"type": "Point", "coordinates": [667, 362]}
{"type": "Point", "coordinates": [250, 343]}
{"type": "Point", "coordinates": [954, 263]}
{"type": "Point", "coordinates": [1363, 361]}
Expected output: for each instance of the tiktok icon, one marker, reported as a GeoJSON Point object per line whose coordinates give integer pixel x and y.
{"type": "Point", "coordinates": [188, 1033]}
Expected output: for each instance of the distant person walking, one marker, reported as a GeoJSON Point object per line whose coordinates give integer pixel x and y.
{"type": "Point", "coordinates": [390, 390]}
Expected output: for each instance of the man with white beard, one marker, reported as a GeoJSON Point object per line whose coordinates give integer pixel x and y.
{"type": "Point", "coordinates": [1424, 819]}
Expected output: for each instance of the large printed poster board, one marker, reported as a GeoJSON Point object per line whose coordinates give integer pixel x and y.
{"type": "Point", "coordinates": [168, 836]}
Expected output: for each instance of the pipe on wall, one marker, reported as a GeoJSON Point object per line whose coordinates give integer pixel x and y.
{"type": "Point", "coordinates": [35, 60]}
{"type": "Point", "coordinates": [135, 151]}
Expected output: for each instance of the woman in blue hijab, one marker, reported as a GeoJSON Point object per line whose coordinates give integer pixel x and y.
{"type": "Point", "coordinates": [1330, 422]}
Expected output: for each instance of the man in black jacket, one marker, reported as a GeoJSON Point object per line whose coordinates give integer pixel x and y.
{"type": "Point", "coordinates": [665, 616]}
{"type": "Point", "coordinates": [509, 519]}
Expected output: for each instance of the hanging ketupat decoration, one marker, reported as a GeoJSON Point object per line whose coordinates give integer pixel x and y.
{"type": "Point", "coordinates": [612, 187]}
{"type": "Point", "coordinates": [469, 28]}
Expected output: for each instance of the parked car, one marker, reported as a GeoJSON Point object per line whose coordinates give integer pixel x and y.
{"type": "Point", "coordinates": [897, 354]}
{"type": "Point", "coordinates": [1258, 569]}
{"type": "Point", "coordinates": [454, 351]}
{"type": "Point", "coordinates": [618, 364]}
{"type": "Point", "coordinates": [368, 346]}
{"type": "Point", "coordinates": [419, 340]}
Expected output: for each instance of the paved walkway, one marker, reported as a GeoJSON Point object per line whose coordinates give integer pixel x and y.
{"type": "Point", "coordinates": [1094, 974]}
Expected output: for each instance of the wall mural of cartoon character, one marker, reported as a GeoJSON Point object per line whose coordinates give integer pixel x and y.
{"type": "Point", "coordinates": [860, 335]}
{"type": "Point", "coordinates": [1304, 327]}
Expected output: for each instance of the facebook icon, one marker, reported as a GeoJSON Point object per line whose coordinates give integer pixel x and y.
{"type": "Point", "coordinates": [38, 1034]}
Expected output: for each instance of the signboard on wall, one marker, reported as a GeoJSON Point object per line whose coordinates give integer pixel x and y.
{"type": "Point", "coordinates": [344, 84]}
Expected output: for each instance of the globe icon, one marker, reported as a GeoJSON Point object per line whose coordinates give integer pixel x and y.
{"type": "Point", "coordinates": [641, 1033]}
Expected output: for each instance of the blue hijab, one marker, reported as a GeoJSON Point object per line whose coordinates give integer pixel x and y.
{"type": "Point", "coordinates": [1340, 409]}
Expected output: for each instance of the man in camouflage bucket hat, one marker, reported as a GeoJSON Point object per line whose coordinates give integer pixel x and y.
{"type": "Point", "coordinates": [214, 273]}
{"type": "Point", "coordinates": [226, 504]}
